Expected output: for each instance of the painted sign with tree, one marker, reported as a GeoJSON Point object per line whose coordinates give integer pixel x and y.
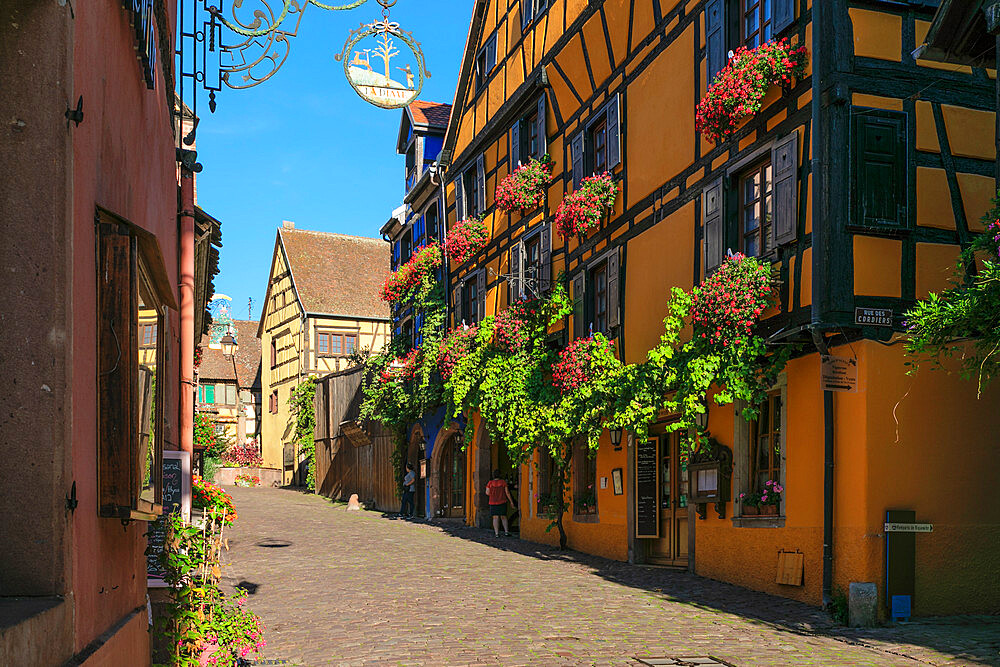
{"type": "Point", "coordinates": [374, 55]}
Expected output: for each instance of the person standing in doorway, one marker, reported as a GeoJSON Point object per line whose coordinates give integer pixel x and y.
{"type": "Point", "coordinates": [409, 490]}
{"type": "Point", "coordinates": [499, 496]}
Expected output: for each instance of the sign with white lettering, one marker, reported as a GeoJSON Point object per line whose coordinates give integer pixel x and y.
{"type": "Point", "coordinates": [873, 317]}
{"type": "Point", "coordinates": [909, 528]}
{"type": "Point", "coordinates": [839, 373]}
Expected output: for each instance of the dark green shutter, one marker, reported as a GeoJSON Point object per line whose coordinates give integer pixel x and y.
{"type": "Point", "coordinates": [715, 38]}
{"type": "Point", "coordinates": [456, 305]}
{"type": "Point", "coordinates": [481, 294]}
{"type": "Point", "coordinates": [460, 197]}
{"type": "Point", "coordinates": [880, 169]}
{"type": "Point", "coordinates": [515, 145]}
{"type": "Point", "coordinates": [614, 305]}
{"type": "Point", "coordinates": [785, 169]}
{"type": "Point", "coordinates": [514, 271]}
{"type": "Point", "coordinates": [614, 133]}
{"type": "Point", "coordinates": [711, 213]}
{"type": "Point", "coordinates": [481, 184]}
{"type": "Point", "coordinates": [579, 304]}
{"type": "Point", "coordinates": [540, 120]}
{"type": "Point", "coordinates": [545, 257]}
{"type": "Point", "coordinates": [576, 155]}
{"type": "Point", "coordinates": [784, 15]}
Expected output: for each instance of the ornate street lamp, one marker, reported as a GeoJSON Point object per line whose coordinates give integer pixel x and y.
{"type": "Point", "coordinates": [229, 345]}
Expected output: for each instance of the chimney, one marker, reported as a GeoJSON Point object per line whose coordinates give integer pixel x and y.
{"type": "Point", "coordinates": [287, 224]}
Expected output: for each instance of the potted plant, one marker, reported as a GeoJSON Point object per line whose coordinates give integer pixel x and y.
{"type": "Point", "coordinates": [587, 502]}
{"type": "Point", "coordinates": [582, 209]}
{"type": "Point", "coordinates": [524, 188]}
{"type": "Point", "coordinates": [762, 503]}
{"type": "Point", "coordinates": [739, 89]}
{"type": "Point", "coordinates": [403, 283]}
{"type": "Point", "coordinates": [465, 239]}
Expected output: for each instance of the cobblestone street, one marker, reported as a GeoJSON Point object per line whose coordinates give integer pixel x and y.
{"type": "Point", "coordinates": [355, 588]}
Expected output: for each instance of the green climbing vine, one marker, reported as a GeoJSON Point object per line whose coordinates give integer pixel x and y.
{"type": "Point", "coordinates": [533, 397]}
{"type": "Point", "coordinates": [303, 407]}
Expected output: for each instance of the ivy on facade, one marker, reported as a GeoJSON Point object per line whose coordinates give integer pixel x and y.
{"type": "Point", "coordinates": [302, 402]}
{"type": "Point", "coordinates": [532, 397]}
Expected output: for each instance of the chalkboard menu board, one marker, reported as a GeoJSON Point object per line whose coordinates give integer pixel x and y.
{"type": "Point", "coordinates": [176, 495]}
{"type": "Point", "coordinates": [647, 507]}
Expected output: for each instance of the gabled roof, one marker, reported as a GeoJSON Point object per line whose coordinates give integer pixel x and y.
{"type": "Point", "coordinates": [336, 274]}
{"type": "Point", "coordinates": [245, 368]}
{"type": "Point", "coordinates": [430, 117]}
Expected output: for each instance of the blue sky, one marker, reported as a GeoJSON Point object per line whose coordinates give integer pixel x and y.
{"type": "Point", "coordinates": [302, 146]}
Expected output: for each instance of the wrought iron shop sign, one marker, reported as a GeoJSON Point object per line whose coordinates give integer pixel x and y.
{"type": "Point", "coordinates": [144, 26]}
{"type": "Point", "coordinates": [369, 67]}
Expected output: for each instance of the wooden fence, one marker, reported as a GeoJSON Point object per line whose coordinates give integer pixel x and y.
{"type": "Point", "coordinates": [352, 457]}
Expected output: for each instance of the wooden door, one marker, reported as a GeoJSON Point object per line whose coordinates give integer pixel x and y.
{"type": "Point", "coordinates": [671, 548]}
{"type": "Point", "coordinates": [452, 480]}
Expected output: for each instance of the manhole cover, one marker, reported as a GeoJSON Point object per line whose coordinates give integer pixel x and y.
{"type": "Point", "coordinates": [687, 661]}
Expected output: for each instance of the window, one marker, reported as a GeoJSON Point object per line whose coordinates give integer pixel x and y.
{"type": "Point", "coordinates": [546, 475]}
{"type": "Point", "coordinates": [527, 136]}
{"type": "Point", "coordinates": [470, 190]}
{"type": "Point", "coordinates": [531, 266]}
{"type": "Point", "coordinates": [406, 333]}
{"type": "Point", "coordinates": [757, 24]}
{"type": "Point", "coordinates": [755, 211]}
{"type": "Point", "coordinates": [584, 480]}
{"type": "Point", "coordinates": [530, 10]}
{"type": "Point", "coordinates": [596, 298]}
{"type": "Point", "coordinates": [273, 406]}
{"type": "Point", "coordinates": [133, 293]}
{"type": "Point", "coordinates": [411, 165]}
{"type": "Point", "coordinates": [206, 394]}
{"type": "Point", "coordinates": [227, 394]}
{"type": "Point", "coordinates": [147, 335]}
{"type": "Point", "coordinates": [406, 247]}
{"type": "Point", "coordinates": [486, 60]}
{"type": "Point", "coordinates": [765, 444]}
{"type": "Point", "coordinates": [336, 344]}
{"type": "Point", "coordinates": [433, 232]}
{"type": "Point", "coordinates": [470, 301]}
{"type": "Point", "coordinates": [274, 353]}
{"type": "Point", "coordinates": [879, 175]}
{"type": "Point", "coordinates": [597, 148]}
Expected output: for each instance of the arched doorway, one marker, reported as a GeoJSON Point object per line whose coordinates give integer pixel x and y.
{"type": "Point", "coordinates": [452, 476]}
{"type": "Point", "coordinates": [415, 454]}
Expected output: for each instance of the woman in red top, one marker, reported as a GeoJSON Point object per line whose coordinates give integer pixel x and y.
{"type": "Point", "coordinates": [499, 495]}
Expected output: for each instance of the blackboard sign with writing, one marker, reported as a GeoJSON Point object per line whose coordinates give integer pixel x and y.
{"type": "Point", "coordinates": [176, 497]}
{"type": "Point", "coordinates": [647, 509]}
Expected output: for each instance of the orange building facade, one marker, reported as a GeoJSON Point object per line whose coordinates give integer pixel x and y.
{"type": "Point", "coordinates": [859, 181]}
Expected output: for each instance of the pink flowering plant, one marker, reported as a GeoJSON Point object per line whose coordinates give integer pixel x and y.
{"type": "Point", "coordinates": [455, 345]}
{"type": "Point", "coordinates": [414, 277]}
{"type": "Point", "coordinates": [727, 306]}
{"type": "Point", "coordinates": [512, 327]}
{"type": "Point", "coordinates": [465, 239]}
{"type": "Point", "coordinates": [581, 362]}
{"type": "Point", "coordinates": [524, 189]}
{"type": "Point", "coordinates": [770, 494]}
{"type": "Point", "coordinates": [403, 368]}
{"type": "Point", "coordinates": [739, 89]}
{"type": "Point", "coordinates": [243, 455]}
{"type": "Point", "coordinates": [582, 210]}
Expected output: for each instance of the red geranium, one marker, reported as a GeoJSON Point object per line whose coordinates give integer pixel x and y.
{"type": "Point", "coordinates": [739, 88]}
{"type": "Point", "coordinates": [524, 188]}
{"type": "Point", "coordinates": [456, 344]}
{"type": "Point", "coordinates": [581, 210]}
{"type": "Point", "coordinates": [465, 239]}
{"type": "Point", "coordinates": [726, 307]}
{"type": "Point", "coordinates": [244, 455]}
{"type": "Point", "coordinates": [403, 368]}
{"type": "Point", "coordinates": [511, 326]}
{"type": "Point", "coordinates": [398, 286]}
{"type": "Point", "coordinates": [576, 365]}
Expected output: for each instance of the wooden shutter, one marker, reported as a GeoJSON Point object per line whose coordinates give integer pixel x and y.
{"type": "Point", "coordinates": [614, 133]}
{"type": "Point", "coordinates": [460, 197]}
{"type": "Point", "coordinates": [784, 15]}
{"type": "Point", "coordinates": [514, 270]}
{"type": "Point", "coordinates": [456, 305]}
{"type": "Point", "coordinates": [491, 56]}
{"type": "Point", "coordinates": [527, 12]}
{"type": "Point", "coordinates": [117, 369]}
{"type": "Point", "coordinates": [614, 301]}
{"type": "Point", "coordinates": [515, 145]}
{"type": "Point", "coordinates": [540, 122]}
{"type": "Point", "coordinates": [712, 221]}
{"type": "Point", "coordinates": [481, 293]}
{"type": "Point", "coordinates": [880, 169]}
{"type": "Point", "coordinates": [576, 155]}
{"type": "Point", "coordinates": [715, 38]}
{"type": "Point", "coordinates": [579, 304]}
{"type": "Point", "coordinates": [545, 257]}
{"type": "Point", "coordinates": [785, 170]}
{"type": "Point", "coordinates": [395, 255]}
{"type": "Point", "coordinates": [481, 184]}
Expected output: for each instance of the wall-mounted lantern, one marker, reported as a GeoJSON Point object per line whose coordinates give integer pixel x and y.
{"type": "Point", "coordinates": [616, 438]}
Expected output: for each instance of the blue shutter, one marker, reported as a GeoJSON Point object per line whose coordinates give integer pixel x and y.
{"type": "Point", "coordinates": [784, 15]}
{"type": "Point", "coordinates": [395, 255]}
{"type": "Point", "coordinates": [614, 133]}
{"type": "Point", "coordinates": [419, 230]}
{"type": "Point", "coordinates": [711, 215]}
{"type": "Point", "coordinates": [491, 56]}
{"type": "Point", "coordinates": [576, 155]}
{"type": "Point", "coordinates": [459, 184]}
{"type": "Point", "coordinates": [515, 145]}
{"type": "Point", "coordinates": [527, 12]}
{"type": "Point", "coordinates": [715, 38]}
{"type": "Point", "coordinates": [542, 143]}
{"type": "Point", "coordinates": [481, 184]}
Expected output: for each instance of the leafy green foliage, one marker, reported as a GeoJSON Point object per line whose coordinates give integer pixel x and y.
{"type": "Point", "coordinates": [964, 319]}
{"type": "Point", "coordinates": [531, 397]}
{"type": "Point", "coordinates": [303, 407]}
{"type": "Point", "coordinates": [206, 437]}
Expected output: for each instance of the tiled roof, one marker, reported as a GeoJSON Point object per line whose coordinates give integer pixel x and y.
{"type": "Point", "coordinates": [215, 365]}
{"type": "Point", "coordinates": [434, 114]}
{"type": "Point", "coordinates": [336, 274]}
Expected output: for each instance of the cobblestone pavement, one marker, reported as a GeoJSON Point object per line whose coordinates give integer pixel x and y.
{"type": "Point", "coordinates": [356, 588]}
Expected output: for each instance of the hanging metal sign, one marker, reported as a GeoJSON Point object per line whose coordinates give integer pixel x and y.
{"type": "Point", "coordinates": [370, 68]}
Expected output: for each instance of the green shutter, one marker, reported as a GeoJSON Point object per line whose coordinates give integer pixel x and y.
{"type": "Point", "coordinates": [209, 393]}
{"type": "Point", "coordinates": [879, 175]}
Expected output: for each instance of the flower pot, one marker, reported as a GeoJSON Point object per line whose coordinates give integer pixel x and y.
{"type": "Point", "coordinates": [768, 510]}
{"type": "Point", "coordinates": [750, 510]}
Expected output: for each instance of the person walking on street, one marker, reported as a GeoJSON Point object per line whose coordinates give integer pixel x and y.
{"type": "Point", "coordinates": [499, 496]}
{"type": "Point", "coordinates": [409, 490]}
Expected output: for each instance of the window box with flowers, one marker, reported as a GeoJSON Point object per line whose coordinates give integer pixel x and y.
{"type": "Point", "coordinates": [414, 276]}
{"type": "Point", "coordinates": [739, 89]}
{"type": "Point", "coordinates": [582, 210]}
{"type": "Point", "coordinates": [762, 503]}
{"type": "Point", "coordinates": [525, 188]}
{"type": "Point", "coordinates": [466, 239]}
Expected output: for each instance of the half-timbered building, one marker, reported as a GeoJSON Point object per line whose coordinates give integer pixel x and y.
{"type": "Point", "coordinates": [859, 181]}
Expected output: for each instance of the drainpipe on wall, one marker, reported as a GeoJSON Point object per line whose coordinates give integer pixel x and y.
{"type": "Point", "coordinates": [187, 387]}
{"type": "Point", "coordinates": [820, 239]}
